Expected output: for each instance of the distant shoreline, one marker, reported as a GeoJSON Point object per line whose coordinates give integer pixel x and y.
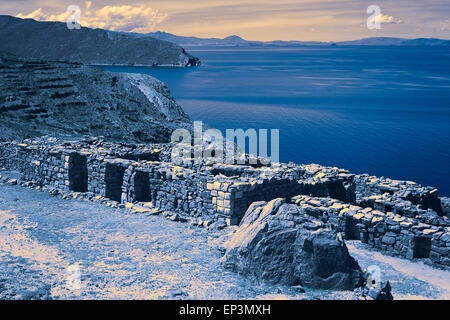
{"type": "Point", "coordinates": [135, 65]}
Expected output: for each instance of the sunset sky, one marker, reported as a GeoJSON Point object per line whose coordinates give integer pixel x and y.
{"type": "Point", "coordinates": [323, 20]}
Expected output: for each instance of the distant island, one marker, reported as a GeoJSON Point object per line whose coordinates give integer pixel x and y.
{"type": "Point", "coordinates": [236, 41]}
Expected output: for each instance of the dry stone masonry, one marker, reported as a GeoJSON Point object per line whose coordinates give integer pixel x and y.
{"type": "Point", "coordinates": [399, 217]}
{"type": "Point", "coordinates": [424, 236]}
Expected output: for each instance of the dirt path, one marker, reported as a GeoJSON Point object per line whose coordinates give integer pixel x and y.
{"type": "Point", "coordinates": [46, 242]}
{"type": "Point", "coordinates": [410, 280]}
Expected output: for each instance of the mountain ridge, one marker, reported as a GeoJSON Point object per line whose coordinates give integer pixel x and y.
{"type": "Point", "coordinates": [240, 42]}
{"type": "Point", "coordinates": [53, 41]}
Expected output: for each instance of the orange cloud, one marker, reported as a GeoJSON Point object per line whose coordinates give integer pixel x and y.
{"type": "Point", "coordinates": [385, 19]}
{"type": "Point", "coordinates": [117, 18]}
{"type": "Point", "coordinates": [40, 15]}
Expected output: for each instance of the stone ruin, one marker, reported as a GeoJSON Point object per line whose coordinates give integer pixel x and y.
{"type": "Point", "coordinates": [401, 218]}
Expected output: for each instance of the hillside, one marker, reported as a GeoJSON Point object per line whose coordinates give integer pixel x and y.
{"type": "Point", "coordinates": [388, 41]}
{"type": "Point", "coordinates": [55, 42]}
{"type": "Point", "coordinates": [66, 99]}
{"type": "Point", "coordinates": [231, 41]}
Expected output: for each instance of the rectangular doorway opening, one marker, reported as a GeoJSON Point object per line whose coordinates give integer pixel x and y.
{"type": "Point", "coordinates": [114, 182]}
{"type": "Point", "coordinates": [350, 229]}
{"type": "Point", "coordinates": [78, 173]}
{"type": "Point", "coordinates": [142, 186]}
{"type": "Point", "coordinates": [422, 247]}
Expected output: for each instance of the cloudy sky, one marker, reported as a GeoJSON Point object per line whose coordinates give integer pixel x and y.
{"type": "Point", "coordinates": [324, 20]}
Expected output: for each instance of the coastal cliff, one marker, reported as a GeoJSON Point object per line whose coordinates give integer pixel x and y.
{"type": "Point", "coordinates": [55, 42]}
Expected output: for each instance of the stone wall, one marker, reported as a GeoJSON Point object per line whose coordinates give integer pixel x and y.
{"type": "Point", "coordinates": [389, 232]}
{"type": "Point", "coordinates": [9, 155]}
{"type": "Point", "coordinates": [233, 195]}
{"type": "Point", "coordinates": [405, 195]}
{"type": "Point", "coordinates": [45, 166]}
{"type": "Point", "coordinates": [169, 187]}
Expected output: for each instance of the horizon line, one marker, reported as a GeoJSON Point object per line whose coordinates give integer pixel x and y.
{"type": "Point", "coordinates": [323, 41]}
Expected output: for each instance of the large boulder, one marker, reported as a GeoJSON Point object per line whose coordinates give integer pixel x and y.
{"type": "Point", "coordinates": [278, 243]}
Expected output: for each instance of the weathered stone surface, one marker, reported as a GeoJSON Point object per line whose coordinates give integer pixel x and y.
{"type": "Point", "coordinates": [276, 243]}
{"type": "Point", "coordinates": [383, 293]}
{"type": "Point", "coordinates": [388, 239]}
{"type": "Point", "coordinates": [445, 205]}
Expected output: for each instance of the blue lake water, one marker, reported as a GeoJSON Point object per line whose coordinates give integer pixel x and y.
{"type": "Point", "coordinates": [377, 110]}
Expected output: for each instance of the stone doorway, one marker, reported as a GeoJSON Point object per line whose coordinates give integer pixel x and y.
{"type": "Point", "coordinates": [114, 181]}
{"type": "Point", "coordinates": [78, 173]}
{"type": "Point", "coordinates": [142, 186]}
{"type": "Point", "coordinates": [422, 247]}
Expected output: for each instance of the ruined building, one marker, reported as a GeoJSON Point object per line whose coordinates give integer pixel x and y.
{"type": "Point", "coordinates": [398, 217]}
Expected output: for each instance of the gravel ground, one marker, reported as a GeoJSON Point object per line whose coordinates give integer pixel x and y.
{"type": "Point", "coordinates": [45, 242]}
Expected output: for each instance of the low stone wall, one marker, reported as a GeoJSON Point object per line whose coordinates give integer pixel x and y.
{"type": "Point", "coordinates": [405, 195]}
{"type": "Point", "coordinates": [446, 206]}
{"type": "Point", "coordinates": [232, 196]}
{"type": "Point", "coordinates": [47, 167]}
{"type": "Point", "coordinates": [169, 187]}
{"type": "Point", "coordinates": [9, 155]}
{"type": "Point", "coordinates": [393, 233]}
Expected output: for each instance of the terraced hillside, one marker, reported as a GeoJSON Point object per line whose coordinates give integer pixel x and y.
{"type": "Point", "coordinates": [39, 98]}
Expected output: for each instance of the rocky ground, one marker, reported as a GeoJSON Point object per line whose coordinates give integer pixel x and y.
{"type": "Point", "coordinates": [44, 241]}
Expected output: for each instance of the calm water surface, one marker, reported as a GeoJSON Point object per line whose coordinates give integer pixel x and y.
{"type": "Point", "coordinates": [377, 110]}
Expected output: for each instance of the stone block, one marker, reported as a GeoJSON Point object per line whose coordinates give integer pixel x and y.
{"type": "Point", "coordinates": [441, 250]}
{"type": "Point", "coordinates": [435, 257]}
{"type": "Point", "coordinates": [445, 261]}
